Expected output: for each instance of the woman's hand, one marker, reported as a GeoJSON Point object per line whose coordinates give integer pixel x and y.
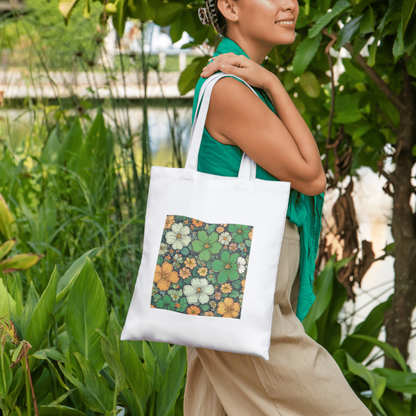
{"type": "Point", "coordinates": [241, 66]}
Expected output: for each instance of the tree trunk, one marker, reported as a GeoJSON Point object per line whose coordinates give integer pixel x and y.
{"type": "Point", "coordinates": [398, 318]}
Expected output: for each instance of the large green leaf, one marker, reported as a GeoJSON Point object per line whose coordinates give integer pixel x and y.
{"type": "Point", "coordinates": [90, 397]}
{"type": "Point", "coordinates": [367, 22]}
{"type": "Point", "coordinates": [50, 152]}
{"type": "Point", "coordinates": [172, 381]}
{"type": "Point", "coordinates": [112, 357]}
{"type": "Point", "coordinates": [68, 152]}
{"type": "Point", "coordinates": [167, 13]}
{"type": "Point", "coordinates": [191, 74]}
{"type": "Point", "coordinates": [42, 317]}
{"type": "Point", "coordinates": [6, 247]}
{"type": "Point", "coordinates": [394, 406]}
{"type": "Point", "coordinates": [31, 301]}
{"type": "Point", "coordinates": [136, 376]}
{"type": "Point", "coordinates": [376, 383]}
{"type": "Point", "coordinates": [398, 380]}
{"type": "Point", "coordinates": [7, 303]}
{"type": "Point", "coordinates": [19, 262]}
{"type": "Point", "coordinates": [95, 383]}
{"type": "Point", "coordinates": [6, 375]}
{"type": "Point", "coordinates": [7, 223]}
{"type": "Point", "coordinates": [323, 286]}
{"type": "Point", "coordinates": [119, 20]}
{"type": "Point", "coordinates": [398, 46]}
{"type": "Point", "coordinates": [85, 312]}
{"type": "Point", "coordinates": [304, 54]}
{"type": "Point", "coordinates": [390, 351]}
{"type": "Point", "coordinates": [328, 327]}
{"type": "Point", "coordinates": [140, 9]}
{"type": "Point", "coordinates": [16, 387]}
{"type": "Point", "coordinates": [66, 281]}
{"type": "Point", "coordinates": [93, 157]}
{"type": "Point", "coordinates": [323, 21]}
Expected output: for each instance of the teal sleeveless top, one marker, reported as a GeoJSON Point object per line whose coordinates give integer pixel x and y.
{"type": "Point", "coordinates": [303, 210]}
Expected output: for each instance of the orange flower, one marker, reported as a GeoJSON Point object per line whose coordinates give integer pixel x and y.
{"type": "Point", "coordinates": [164, 276]}
{"type": "Point", "coordinates": [197, 223]}
{"type": "Point", "coordinates": [228, 308]}
{"type": "Point", "coordinates": [226, 288]}
{"type": "Point", "coordinates": [177, 305]}
{"type": "Point", "coordinates": [250, 235]}
{"type": "Point", "coordinates": [170, 219]}
{"type": "Point", "coordinates": [152, 306]}
{"type": "Point", "coordinates": [243, 283]}
{"type": "Point", "coordinates": [184, 273]}
{"type": "Point", "coordinates": [219, 229]}
{"type": "Point", "coordinates": [193, 310]}
{"type": "Point", "coordinates": [202, 271]}
{"type": "Point", "coordinates": [209, 313]}
{"type": "Point", "coordinates": [186, 221]}
{"type": "Point", "coordinates": [191, 263]}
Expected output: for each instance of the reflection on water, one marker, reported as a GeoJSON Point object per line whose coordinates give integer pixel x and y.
{"type": "Point", "coordinates": [164, 125]}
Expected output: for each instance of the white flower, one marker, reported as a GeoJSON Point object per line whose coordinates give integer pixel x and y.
{"type": "Point", "coordinates": [225, 238]}
{"type": "Point", "coordinates": [163, 249]}
{"type": "Point", "coordinates": [198, 291]}
{"type": "Point", "coordinates": [178, 237]}
{"type": "Point", "coordinates": [241, 264]}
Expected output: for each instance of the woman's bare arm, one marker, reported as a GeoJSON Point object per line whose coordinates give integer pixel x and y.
{"type": "Point", "coordinates": [283, 146]}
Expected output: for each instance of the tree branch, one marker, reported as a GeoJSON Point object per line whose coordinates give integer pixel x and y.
{"type": "Point", "coordinates": [331, 113]}
{"type": "Point", "coordinates": [385, 89]}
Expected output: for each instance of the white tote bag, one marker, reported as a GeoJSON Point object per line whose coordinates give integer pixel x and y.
{"type": "Point", "coordinates": [210, 254]}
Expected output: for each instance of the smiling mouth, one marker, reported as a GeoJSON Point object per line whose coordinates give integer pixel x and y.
{"type": "Point", "coordinates": [286, 22]}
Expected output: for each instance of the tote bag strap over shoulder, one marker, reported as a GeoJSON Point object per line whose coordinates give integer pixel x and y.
{"type": "Point", "coordinates": [247, 166]}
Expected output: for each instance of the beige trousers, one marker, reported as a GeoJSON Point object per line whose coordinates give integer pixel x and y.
{"type": "Point", "coordinates": [300, 379]}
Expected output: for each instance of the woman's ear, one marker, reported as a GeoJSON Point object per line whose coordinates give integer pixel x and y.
{"type": "Point", "coordinates": [228, 9]}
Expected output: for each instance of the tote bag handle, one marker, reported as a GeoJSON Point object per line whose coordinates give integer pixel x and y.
{"type": "Point", "coordinates": [248, 166]}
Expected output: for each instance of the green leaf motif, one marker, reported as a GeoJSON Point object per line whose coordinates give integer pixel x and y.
{"type": "Point", "coordinates": [304, 54]}
{"type": "Point", "coordinates": [197, 246]}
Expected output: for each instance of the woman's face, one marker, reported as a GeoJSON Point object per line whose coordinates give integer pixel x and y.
{"type": "Point", "coordinates": [270, 21]}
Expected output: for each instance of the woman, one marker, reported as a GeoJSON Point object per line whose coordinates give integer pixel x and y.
{"type": "Point", "coordinates": [301, 378]}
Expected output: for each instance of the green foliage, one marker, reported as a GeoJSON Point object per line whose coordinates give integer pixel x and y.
{"type": "Point", "coordinates": [322, 324]}
{"type": "Point", "coordinates": [78, 364]}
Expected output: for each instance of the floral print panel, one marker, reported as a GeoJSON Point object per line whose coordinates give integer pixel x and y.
{"type": "Point", "coordinates": [201, 268]}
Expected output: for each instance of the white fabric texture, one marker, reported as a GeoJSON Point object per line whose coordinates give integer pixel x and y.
{"type": "Point", "coordinates": [212, 199]}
